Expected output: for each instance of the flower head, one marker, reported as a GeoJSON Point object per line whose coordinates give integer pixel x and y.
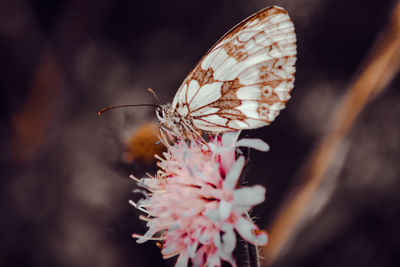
{"type": "Point", "coordinates": [194, 204]}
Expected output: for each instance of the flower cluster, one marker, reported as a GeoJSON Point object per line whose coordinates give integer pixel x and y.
{"type": "Point", "coordinates": [194, 204]}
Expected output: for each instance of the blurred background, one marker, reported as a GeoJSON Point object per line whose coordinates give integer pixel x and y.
{"type": "Point", "coordinates": [65, 171]}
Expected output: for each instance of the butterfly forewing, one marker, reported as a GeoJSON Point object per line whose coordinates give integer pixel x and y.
{"type": "Point", "coordinates": [245, 79]}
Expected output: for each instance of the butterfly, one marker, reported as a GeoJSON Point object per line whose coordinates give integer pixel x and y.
{"type": "Point", "coordinates": [242, 82]}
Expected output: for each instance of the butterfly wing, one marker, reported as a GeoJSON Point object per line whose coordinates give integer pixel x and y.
{"type": "Point", "coordinates": [245, 79]}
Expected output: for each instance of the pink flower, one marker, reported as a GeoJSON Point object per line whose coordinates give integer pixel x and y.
{"type": "Point", "coordinates": [194, 204]}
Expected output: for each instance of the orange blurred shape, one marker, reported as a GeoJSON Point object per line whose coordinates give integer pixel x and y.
{"type": "Point", "coordinates": [34, 122]}
{"type": "Point", "coordinates": [143, 144]}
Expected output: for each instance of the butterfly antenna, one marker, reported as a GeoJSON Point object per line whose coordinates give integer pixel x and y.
{"type": "Point", "coordinates": [123, 106]}
{"type": "Point", "coordinates": [154, 94]}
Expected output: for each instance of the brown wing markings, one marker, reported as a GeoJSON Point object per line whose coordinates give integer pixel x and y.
{"type": "Point", "coordinates": [231, 52]}
{"type": "Point", "coordinates": [216, 125]}
{"type": "Point", "coordinates": [228, 102]}
{"type": "Point", "coordinates": [229, 99]}
{"type": "Point", "coordinates": [202, 77]}
{"type": "Point", "coordinates": [273, 83]}
{"type": "Point", "coordinates": [270, 76]}
{"type": "Point", "coordinates": [228, 118]}
{"type": "Point", "coordinates": [262, 14]}
{"type": "Point", "coordinates": [267, 87]}
{"type": "Point", "coordinates": [231, 47]}
{"type": "Point", "coordinates": [264, 110]}
{"type": "Point", "coordinates": [228, 96]}
{"type": "Point", "coordinates": [269, 65]}
{"type": "Point", "coordinates": [237, 52]}
{"type": "Point", "coordinates": [232, 115]}
{"type": "Point", "coordinates": [236, 115]}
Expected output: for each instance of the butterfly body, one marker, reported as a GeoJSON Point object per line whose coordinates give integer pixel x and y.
{"type": "Point", "coordinates": [173, 120]}
{"type": "Point", "coordinates": [242, 82]}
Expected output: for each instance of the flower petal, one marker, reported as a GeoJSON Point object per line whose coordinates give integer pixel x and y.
{"type": "Point", "coordinates": [192, 250]}
{"type": "Point", "coordinates": [214, 259]}
{"type": "Point", "coordinates": [148, 235]}
{"type": "Point", "coordinates": [225, 209]}
{"type": "Point", "coordinates": [247, 230]}
{"type": "Point", "coordinates": [234, 174]}
{"type": "Point", "coordinates": [213, 215]}
{"type": "Point", "coordinates": [228, 239]}
{"type": "Point", "coordinates": [253, 143]}
{"type": "Point", "coordinates": [183, 260]}
{"type": "Point", "coordinates": [246, 197]}
{"type": "Point", "coordinates": [229, 138]}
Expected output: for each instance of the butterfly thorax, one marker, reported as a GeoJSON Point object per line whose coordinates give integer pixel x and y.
{"type": "Point", "coordinates": [172, 120]}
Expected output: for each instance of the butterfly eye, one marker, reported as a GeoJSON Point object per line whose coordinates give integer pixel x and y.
{"type": "Point", "coordinates": [159, 113]}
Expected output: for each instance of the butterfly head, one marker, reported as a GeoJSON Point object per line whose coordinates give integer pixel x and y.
{"type": "Point", "coordinates": [169, 119]}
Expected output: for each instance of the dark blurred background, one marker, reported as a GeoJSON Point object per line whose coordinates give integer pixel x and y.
{"type": "Point", "coordinates": [64, 183]}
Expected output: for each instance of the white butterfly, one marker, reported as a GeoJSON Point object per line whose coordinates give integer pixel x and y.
{"type": "Point", "coordinates": [242, 82]}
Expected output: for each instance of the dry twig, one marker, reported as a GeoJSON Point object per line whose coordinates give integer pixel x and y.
{"type": "Point", "coordinates": [377, 70]}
